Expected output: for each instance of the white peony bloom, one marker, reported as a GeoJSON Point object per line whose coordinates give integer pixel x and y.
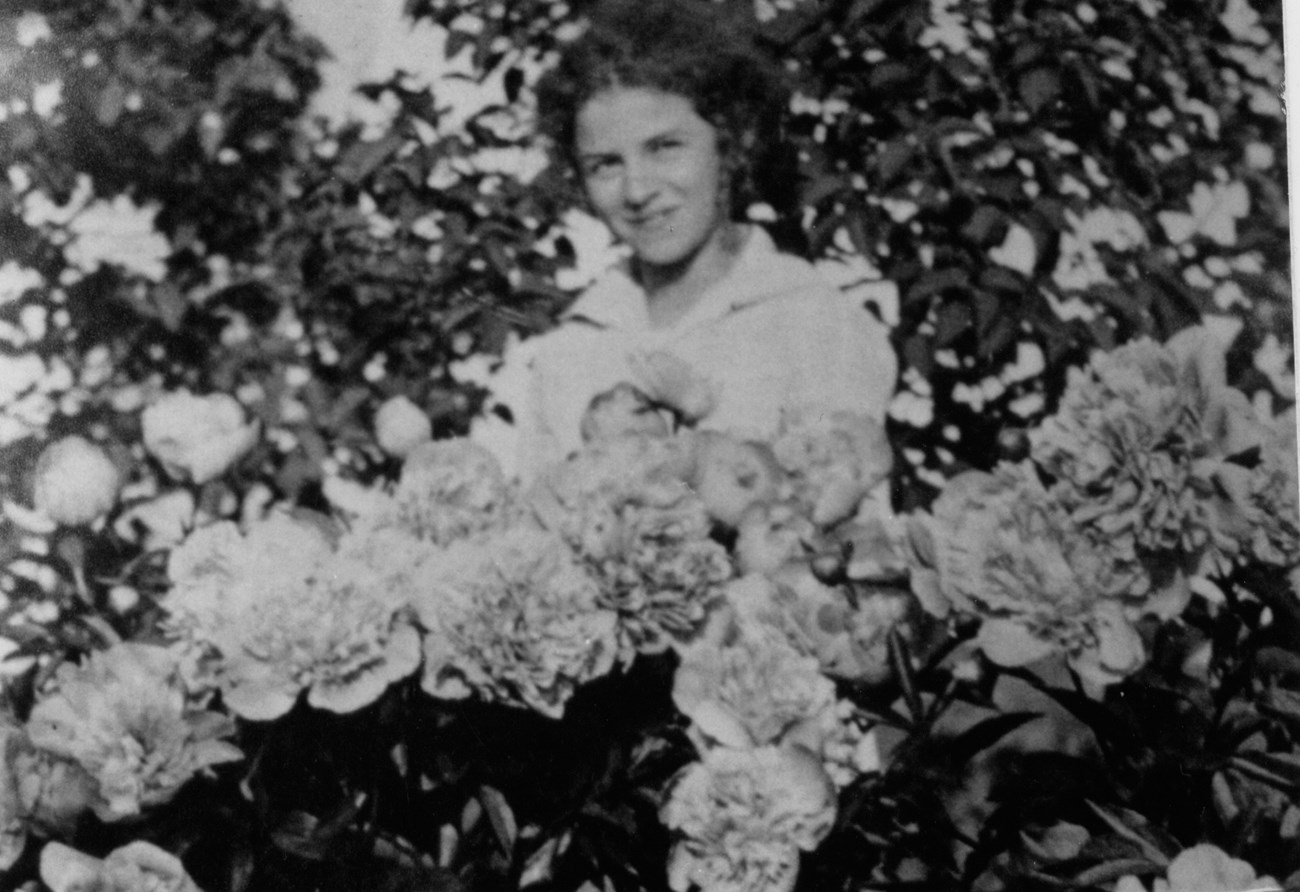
{"type": "Point", "coordinates": [76, 481]}
{"type": "Point", "coordinates": [135, 867]}
{"type": "Point", "coordinates": [741, 817]}
{"type": "Point", "coordinates": [123, 715]}
{"type": "Point", "coordinates": [289, 606]}
{"type": "Point", "coordinates": [159, 522]}
{"type": "Point", "coordinates": [1203, 868]}
{"type": "Point", "coordinates": [514, 618]}
{"type": "Point", "coordinates": [625, 507]}
{"type": "Point", "coordinates": [835, 458]}
{"type": "Point", "coordinates": [594, 248]}
{"type": "Point", "coordinates": [751, 691]}
{"type": "Point", "coordinates": [197, 436]}
{"type": "Point", "coordinates": [400, 426]}
{"type": "Point", "coordinates": [449, 489]}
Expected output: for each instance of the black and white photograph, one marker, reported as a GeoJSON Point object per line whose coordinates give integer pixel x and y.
{"type": "Point", "coordinates": [648, 446]}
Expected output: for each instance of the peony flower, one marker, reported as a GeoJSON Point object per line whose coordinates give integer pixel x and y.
{"type": "Point", "coordinates": [848, 639]}
{"type": "Point", "coordinates": [1000, 547]}
{"type": "Point", "coordinates": [835, 458]}
{"type": "Point", "coordinates": [135, 867]}
{"type": "Point", "coordinates": [732, 476]}
{"type": "Point", "coordinates": [1274, 536]}
{"type": "Point", "coordinates": [400, 426]}
{"type": "Point", "coordinates": [672, 382]}
{"type": "Point", "coordinates": [750, 687]}
{"type": "Point", "coordinates": [123, 716]}
{"type": "Point", "coordinates": [197, 436]}
{"type": "Point", "coordinates": [449, 489]}
{"type": "Point", "coordinates": [625, 508]}
{"type": "Point", "coordinates": [741, 817]}
{"type": "Point", "coordinates": [159, 522]}
{"type": "Point", "coordinates": [53, 793]}
{"type": "Point", "coordinates": [753, 690]}
{"type": "Point", "coordinates": [75, 481]}
{"type": "Point", "coordinates": [1203, 868]}
{"type": "Point", "coordinates": [290, 605]}
{"type": "Point", "coordinates": [1139, 448]}
{"type": "Point", "coordinates": [514, 617]}
{"type": "Point", "coordinates": [773, 535]}
{"type": "Point", "coordinates": [623, 410]}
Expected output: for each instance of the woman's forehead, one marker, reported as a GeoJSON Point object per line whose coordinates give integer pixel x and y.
{"type": "Point", "coordinates": [629, 115]}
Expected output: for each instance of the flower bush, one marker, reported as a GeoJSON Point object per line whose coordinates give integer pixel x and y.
{"type": "Point", "coordinates": [1037, 631]}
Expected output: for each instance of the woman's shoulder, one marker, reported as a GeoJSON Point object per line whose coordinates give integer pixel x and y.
{"type": "Point", "coordinates": [785, 284]}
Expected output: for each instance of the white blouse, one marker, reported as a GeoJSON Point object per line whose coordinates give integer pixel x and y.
{"type": "Point", "coordinates": [772, 334]}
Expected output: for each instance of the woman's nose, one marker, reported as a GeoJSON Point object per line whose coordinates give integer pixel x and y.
{"type": "Point", "coordinates": [638, 185]}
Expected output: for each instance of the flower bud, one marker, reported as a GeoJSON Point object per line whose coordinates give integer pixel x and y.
{"type": "Point", "coordinates": [75, 482]}
{"type": "Point", "coordinates": [197, 436]}
{"type": "Point", "coordinates": [400, 426]}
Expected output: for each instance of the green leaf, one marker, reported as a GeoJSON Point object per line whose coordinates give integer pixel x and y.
{"type": "Point", "coordinates": [501, 817]}
{"type": "Point", "coordinates": [364, 157]}
{"type": "Point", "coordinates": [112, 100]}
{"type": "Point", "coordinates": [1281, 770]}
{"type": "Point", "coordinates": [1110, 871]}
{"type": "Point", "coordinates": [296, 834]}
{"type": "Point", "coordinates": [1128, 832]}
{"type": "Point", "coordinates": [900, 659]}
{"type": "Point", "coordinates": [937, 282]}
{"type": "Point", "coordinates": [1277, 661]}
{"type": "Point", "coordinates": [983, 225]}
{"type": "Point", "coordinates": [893, 159]}
{"type": "Point", "coordinates": [1039, 88]}
{"type": "Point", "coordinates": [1108, 727]}
{"type": "Point", "coordinates": [982, 735]}
{"type": "Point", "coordinates": [863, 8]}
{"type": "Point", "coordinates": [954, 320]}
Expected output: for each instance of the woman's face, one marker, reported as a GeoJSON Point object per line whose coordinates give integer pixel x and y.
{"type": "Point", "coordinates": [653, 171]}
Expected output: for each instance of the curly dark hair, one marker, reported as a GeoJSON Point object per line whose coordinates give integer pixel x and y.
{"type": "Point", "coordinates": [692, 48]}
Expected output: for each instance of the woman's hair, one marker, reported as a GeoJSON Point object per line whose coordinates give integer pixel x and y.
{"type": "Point", "coordinates": [690, 48]}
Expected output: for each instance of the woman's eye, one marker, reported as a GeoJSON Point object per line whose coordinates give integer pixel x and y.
{"type": "Point", "coordinates": [665, 145]}
{"type": "Point", "coordinates": [599, 167]}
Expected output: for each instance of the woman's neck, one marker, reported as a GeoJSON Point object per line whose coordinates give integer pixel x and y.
{"type": "Point", "coordinates": [673, 290]}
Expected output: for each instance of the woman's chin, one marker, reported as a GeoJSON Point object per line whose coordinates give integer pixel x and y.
{"type": "Point", "coordinates": [661, 253]}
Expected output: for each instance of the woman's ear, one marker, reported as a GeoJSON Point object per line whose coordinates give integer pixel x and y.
{"type": "Point", "coordinates": [738, 169]}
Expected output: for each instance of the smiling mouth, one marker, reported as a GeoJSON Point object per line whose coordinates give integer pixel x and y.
{"type": "Point", "coordinates": [651, 222]}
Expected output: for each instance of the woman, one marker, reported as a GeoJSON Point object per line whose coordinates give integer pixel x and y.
{"type": "Point", "coordinates": [663, 112]}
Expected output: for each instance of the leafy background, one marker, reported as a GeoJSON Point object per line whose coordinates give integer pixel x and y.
{"type": "Point", "coordinates": [196, 194]}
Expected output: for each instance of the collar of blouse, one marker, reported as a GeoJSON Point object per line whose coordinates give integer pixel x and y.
{"type": "Point", "coordinates": [759, 274]}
